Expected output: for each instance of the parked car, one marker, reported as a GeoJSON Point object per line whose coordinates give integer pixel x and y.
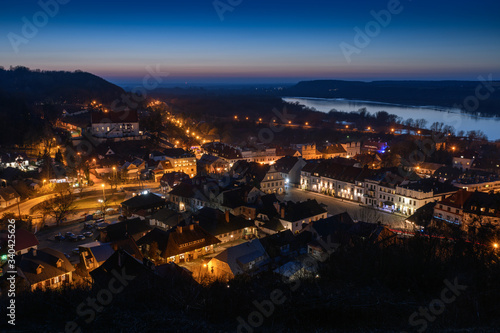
{"type": "Point", "coordinates": [88, 234]}
{"type": "Point", "coordinates": [88, 225]}
{"type": "Point", "coordinates": [80, 237]}
{"type": "Point", "coordinates": [73, 238]}
{"type": "Point", "coordinates": [102, 225]}
{"type": "Point", "coordinates": [59, 237]}
{"type": "Point", "coordinates": [69, 234]}
{"type": "Point", "coordinates": [76, 251]}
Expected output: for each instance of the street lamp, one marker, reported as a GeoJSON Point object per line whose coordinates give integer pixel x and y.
{"type": "Point", "coordinates": [103, 193]}
{"type": "Point", "coordinates": [495, 246]}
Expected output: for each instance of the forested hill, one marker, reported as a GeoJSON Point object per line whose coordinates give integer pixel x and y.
{"type": "Point", "coordinates": [57, 86]}
{"type": "Point", "coordinates": [422, 93]}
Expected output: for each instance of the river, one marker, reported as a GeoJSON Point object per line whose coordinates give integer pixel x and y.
{"type": "Point", "coordinates": [449, 116]}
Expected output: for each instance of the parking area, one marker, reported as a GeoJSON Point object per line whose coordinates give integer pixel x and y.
{"type": "Point", "coordinates": [47, 237]}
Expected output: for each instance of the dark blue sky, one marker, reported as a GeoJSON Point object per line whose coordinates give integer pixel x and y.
{"type": "Point", "coordinates": [258, 41]}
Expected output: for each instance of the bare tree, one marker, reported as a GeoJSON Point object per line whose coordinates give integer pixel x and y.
{"type": "Point", "coordinates": [60, 206]}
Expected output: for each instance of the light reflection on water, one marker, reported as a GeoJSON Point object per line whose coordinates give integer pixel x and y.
{"type": "Point", "coordinates": [448, 116]}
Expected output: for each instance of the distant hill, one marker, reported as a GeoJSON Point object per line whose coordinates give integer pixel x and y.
{"type": "Point", "coordinates": [57, 86]}
{"type": "Point", "coordinates": [421, 93]}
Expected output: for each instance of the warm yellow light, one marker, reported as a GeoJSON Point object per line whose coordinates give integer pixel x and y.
{"type": "Point", "coordinates": [102, 185]}
{"type": "Point", "coordinates": [369, 128]}
{"type": "Point", "coordinates": [392, 129]}
{"type": "Point", "coordinates": [235, 117]}
{"type": "Point", "coordinates": [114, 168]}
{"type": "Point", "coordinates": [246, 118]}
{"type": "Point", "coordinates": [260, 119]}
{"type": "Point", "coordinates": [307, 124]}
{"type": "Point", "coordinates": [289, 121]}
{"type": "Point", "coordinates": [495, 245]}
{"type": "Point", "coordinates": [204, 265]}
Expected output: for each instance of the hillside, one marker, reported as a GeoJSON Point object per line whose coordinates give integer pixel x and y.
{"type": "Point", "coordinates": [57, 87]}
{"type": "Point", "coordinates": [422, 93]}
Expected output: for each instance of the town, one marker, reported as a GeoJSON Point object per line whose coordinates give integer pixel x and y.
{"type": "Point", "coordinates": [156, 192]}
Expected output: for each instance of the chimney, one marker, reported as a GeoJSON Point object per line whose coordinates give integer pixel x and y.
{"type": "Point", "coordinates": [227, 216]}
{"type": "Point", "coordinates": [179, 229]}
{"type": "Point", "coordinates": [282, 212]}
{"type": "Point", "coordinates": [191, 227]}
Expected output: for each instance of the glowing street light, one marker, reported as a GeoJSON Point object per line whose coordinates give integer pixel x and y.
{"type": "Point", "coordinates": [307, 123]}
{"type": "Point", "coordinates": [103, 193]}
{"type": "Point", "coordinates": [495, 245]}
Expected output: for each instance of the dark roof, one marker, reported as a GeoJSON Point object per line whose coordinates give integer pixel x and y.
{"type": "Point", "coordinates": [126, 229]}
{"type": "Point", "coordinates": [121, 262]}
{"type": "Point", "coordinates": [25, 239]}
{"type": "Point", "coordinates": [214, 221]}
{"type": "Point", "coordinates": [423, 215]}
{"type": "Point", "coordinates": [332, 225]}
{"type": "Point", "coordinates": [47, 258]}
{"type": "Point", "coordinates": [481, 203]}
{"type": "Point", "coordinates": [277, 240]}
{"type": "Point", "coordinates": [177, 153]}
{"type": "Point", "coordinates": [126, 116]}
{"type": "Point", "coordinates": [167, 216]}
{"type": "Point", "coordinates": [285, 164]}
{"type": "Point", "coordinates": [273, 224]}
{"type": "Point", "coordinates": [295, 211]}
{"type": "Point", "coordinates": [179, 240]}
{"type": "Point", "coordinates": [142, 201]}
{"type": "Point", "coordinates": [430, 184]}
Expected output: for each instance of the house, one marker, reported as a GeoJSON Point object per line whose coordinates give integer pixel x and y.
{"type": "Point", "coordinates": [183, 243]}
{"type": "Point", "coordinates": [278, 244]}
{"type": "Point", "coordinates": [45, 269]}
{"type": "Point", "coordinates": [161, 169]}
{"type": "Point", "coordinates": [25, 241]}
{"type": "Point", "coordinates": [289, 168]}
{"type": "Point", "coordinates": [93, 255]}
{"type": "Point", "coordinates": [481, 210]}
{"type": "Point", "coordinates": [8, 196]}
{"type": "Point", "coordinates": [332, 150]}
{"type": "Point", "coordinates": [143, 204]}
{"type": "Point", "coordinates": [115, 124]}
{"type": "Point", "coordinates": [166, 218]}
{"type": "Point", "coordinates": [133, 228]}
{"type": "Point", "coordinates": [170, 180]}
{"type": "Point", "coordinates": [138, 275]}
{"type": "Point", "coordinates": [294, 215]}
{"type": "Point", "coordinates": [229, 154]}
{"type": "Point", "coordinates": [181, 161]}
{"type": "Point", "coordinates": [464, 160]}
{"type": "Point", "coordinates": [133, 170]}
{"type": "Point", "coordinates": [211, 164]}
{"type": "Point", "coordinates": [246, 258]}
{"type": "Point", "coordinates": [451, 208]}
{"type": "Point", "coordinates": [272, 182]}
{"type": "Point", "coordinates": [411, 195]}
{"type": "Point", "coordinates": [224, 225]}
{"type": "Point", "coordinates": [328, 235]}
{"type": "Point", "coordinates": [427, 169]}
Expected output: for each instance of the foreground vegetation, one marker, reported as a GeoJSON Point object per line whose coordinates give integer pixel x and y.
{"type": "Point", "coordinates": [363, 289]}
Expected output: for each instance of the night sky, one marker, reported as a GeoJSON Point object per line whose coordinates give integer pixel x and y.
{"type": "Point", "coordinates": [257, 41]}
